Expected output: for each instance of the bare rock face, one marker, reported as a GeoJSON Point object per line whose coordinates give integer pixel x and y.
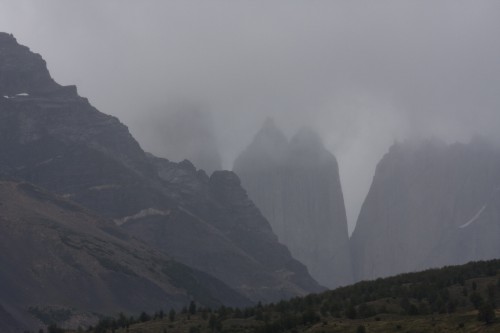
{"type": "Point", "coordinates": [429, 205]}
{"type": "Point", "coordinates": [296, 185]}
{"type": "Point", "coordinates": [55, 139]}
{"type": "Point", "coordinates": [22, 70]}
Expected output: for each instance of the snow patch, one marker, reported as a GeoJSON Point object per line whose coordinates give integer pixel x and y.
{"type": "Point", "coordinates": [474, 218]}
{"type": "Point", "coordinates": [50, 160]}
{"type": "Point", "coordinates": [103, 187]}
{"type": "Point", "coordinates": [142, 214]}
{"type": "Point", "coordinates": [22, 94]}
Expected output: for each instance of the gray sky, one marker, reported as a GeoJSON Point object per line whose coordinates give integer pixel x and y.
{"type": "Point", "coordinates": [364, 73]}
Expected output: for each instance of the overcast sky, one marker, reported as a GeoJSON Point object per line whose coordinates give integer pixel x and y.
{"type": "Point", "coordinates": [363, 73]}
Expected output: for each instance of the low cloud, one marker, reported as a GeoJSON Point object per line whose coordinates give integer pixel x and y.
{"type": "Point", "coordinates": [363, 73]}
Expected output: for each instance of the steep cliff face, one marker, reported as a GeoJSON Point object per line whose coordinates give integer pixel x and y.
{"type": "Point", "coordinates": [57, 257]}
{"type": "Point", "coordinates": [296, 185]}
{"type": "Point", "coordinates": [429, 205]}
{"type": "Point", "coordinates": [22, 70]}
{"type": "Point", "coordinates": [54, 138]}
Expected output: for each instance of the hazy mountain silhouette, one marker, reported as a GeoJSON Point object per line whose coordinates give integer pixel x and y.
{"type": "Point", "coordinates": [430, 204]}
{"type": "Point", "coordinates": [297, 187]}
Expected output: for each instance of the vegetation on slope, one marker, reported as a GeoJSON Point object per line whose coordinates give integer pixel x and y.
{"type": "Point", "coordinates": [450, 299]}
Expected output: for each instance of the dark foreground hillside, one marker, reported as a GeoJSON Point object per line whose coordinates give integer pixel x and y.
{"type": "Point", "coordinates": [60, 263]}
{"type": "Point", "coordinates": [452, 299]}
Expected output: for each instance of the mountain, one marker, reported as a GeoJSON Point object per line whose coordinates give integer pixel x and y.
{"type": "Point", "coordinates": [297, 187]}
{"type": "Point", "coordinates": [55, 139]}
{"type": "Point", "coordinates": [62, 263]}
{"type": "Point", "coordinates": [430, 204]}
{"type": "Point", "coordinates": [217, 229]}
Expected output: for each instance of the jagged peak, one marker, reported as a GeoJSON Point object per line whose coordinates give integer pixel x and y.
{"type": "Point", "coordinates": [307, 138]}
{"type": "Point", "coordinates": [7, 38]}
{"type": "Point", "coordinates": [308, 150]}
{"type": "Point", "coordinates": [270, 133]}
{"type": "Point", "coordinates": [269, 123]}
{"type": "Point", "coordinates": [21, 70]}
{"type": "Point", "coordinates": [187, 164]}
{"type": "Point", "coordinates": [269, 146]}
{"type": "Point", "coordinates": [269, 139]}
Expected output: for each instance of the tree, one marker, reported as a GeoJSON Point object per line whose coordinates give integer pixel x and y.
{"type": "Point", "coordinates": [214, 324]}
{"type": "Point", "coordinates": [192, 307]}
{"type": "Point", "coordinates": [365, 311]}
{"type": "Point", "coordinates": [451, 306]}
{"type": "Point", "coordinates": [194, 329]}
{"type": "Point", "coordinates": [204, 314]}
{"type": "Point", "coordinates": [486, 313]}
{"type": "Point", "coordinates": [413, 310]}
{"type": "Point", "coordinates": [491, 290]}
{"type": "Point", "coordinates": [476, 300]}
{"type": "Point", "coordinates": [361, 329]}
{"type": "Point", "coordinates": [122, 320]}
{"type": "Point", "coordinates": [144, 317]}
{"type": "Point", "coordinates": [222, 312]}
{"type": "Point", "coordinates": [309, 316]}
{"type": "Point", "coordinates": [351, 312]}
{"type": "Point", "coordinates": [52, 328]}
{"type": "Point", "coordinates": [171, 315]}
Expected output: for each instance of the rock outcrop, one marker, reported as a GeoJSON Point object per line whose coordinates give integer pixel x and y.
{"type": "Point", "coordinates": [429, 205]}
{"type": "Point", "coordinates": [55, 139]}
{"type": "Point", "coordinates": [297, 187]}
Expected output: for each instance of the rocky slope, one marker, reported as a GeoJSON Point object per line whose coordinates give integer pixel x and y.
{"type": "Point", "coordinates": [297, 187]}
{"type": "Point", "coordinates": [62, 263]}
{"type": "Point", "coordinates": [228, 236]}
{"type": "Point", "coordinates": [429, 205]}
{"type": "Point", "coordinates": [54, 138]}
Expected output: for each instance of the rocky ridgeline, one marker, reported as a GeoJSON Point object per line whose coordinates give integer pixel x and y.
{"type": "Point", "coordinates": [22, 71]}
{"type": "Point", "coordinates": [297, 187]}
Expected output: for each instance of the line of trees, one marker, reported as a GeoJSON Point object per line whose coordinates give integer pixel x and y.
{"type": "Point", "coordinates": [445, 290]}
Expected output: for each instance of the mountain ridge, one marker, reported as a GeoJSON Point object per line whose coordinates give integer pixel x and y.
{"type": "Point", "coordinates": [57, 140]}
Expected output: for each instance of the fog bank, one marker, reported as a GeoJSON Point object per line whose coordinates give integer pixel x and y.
{"type": "Point", "coordinates": [362, 73]}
